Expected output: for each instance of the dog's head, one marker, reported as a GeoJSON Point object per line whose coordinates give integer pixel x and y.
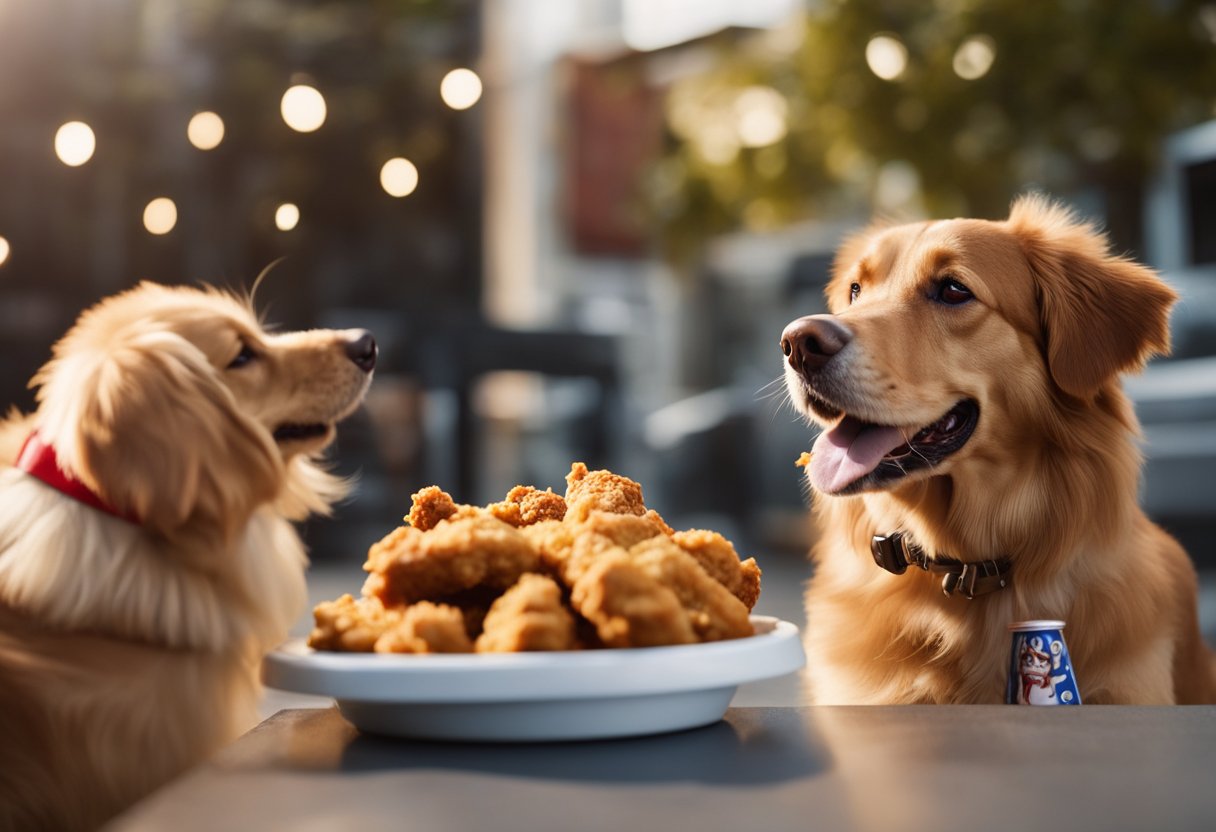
{"type": "Point", "coordinates": [964, 339]}
{"type": "Point", "coordinates": [176, 406]}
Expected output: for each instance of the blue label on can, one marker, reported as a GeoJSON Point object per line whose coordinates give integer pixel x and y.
{"type": "Point", "coordinates": [1040, 670]}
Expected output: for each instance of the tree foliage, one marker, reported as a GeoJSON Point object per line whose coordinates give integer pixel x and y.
{"type": "Point", "coordinates": [1076, 100]}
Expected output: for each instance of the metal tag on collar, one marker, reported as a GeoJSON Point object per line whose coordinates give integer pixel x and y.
{"type": "Point", "coordinates": [962, 582]}
{"type": "Point", "coordinates": [889, 552]}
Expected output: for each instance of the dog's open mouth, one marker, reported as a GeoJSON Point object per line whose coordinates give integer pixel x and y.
{"type": "Point", "coordinates": [854, 455]}
{"type": "Point", "coordinates": [301, 432]}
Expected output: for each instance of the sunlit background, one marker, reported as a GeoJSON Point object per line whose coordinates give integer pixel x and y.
{"type": "Point", "coordinates": [577, 227]}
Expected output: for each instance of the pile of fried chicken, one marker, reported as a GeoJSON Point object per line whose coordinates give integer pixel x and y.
{"type": "Point", "coordinates": [539, 571]}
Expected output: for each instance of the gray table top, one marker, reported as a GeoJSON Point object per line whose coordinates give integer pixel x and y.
{"type": "Point", "coordinates": [884, 768]}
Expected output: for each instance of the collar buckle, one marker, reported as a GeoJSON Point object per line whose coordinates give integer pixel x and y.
{"type": "Point", "coordinates": [890, 552]}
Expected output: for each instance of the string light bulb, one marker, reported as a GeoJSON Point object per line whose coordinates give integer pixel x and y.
{"type": "Point", "coordinates": [160, 215]}
{"type": "Point", "coordinates": [399, 177]}
{"type": "Point", "coordinates": [205, 130]}
{"type": "Point", "coordinates": [75, 143]}
{"type": "Point", "coordinates": [460, 89]}
{"type": "Point", "coordinates": [286, 216]}
{"type": "Point", "coordinates": [303, 108]}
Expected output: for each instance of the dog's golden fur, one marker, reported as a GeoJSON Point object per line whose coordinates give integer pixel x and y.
{"type": "Point", "coordinates": [129, 652]}
{"type": "Point", "coordinates": [1048, 479]}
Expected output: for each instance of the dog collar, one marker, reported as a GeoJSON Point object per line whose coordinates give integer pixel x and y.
{"type": "Point", "coordinates": [39, 460]}
{"type": "Point", "coordinates": [894, 552]}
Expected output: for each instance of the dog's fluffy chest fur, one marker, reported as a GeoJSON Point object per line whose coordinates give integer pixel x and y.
{"type": "Point", "coordinates": [173, 678]}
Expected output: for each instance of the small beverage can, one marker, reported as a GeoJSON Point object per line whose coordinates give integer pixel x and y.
{"type": "Point", "coordinates": [1040, 671]}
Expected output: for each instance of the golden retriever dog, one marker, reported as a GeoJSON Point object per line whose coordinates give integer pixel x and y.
{"type": "Point", "coordinates": [967, 382]}
{"type": "Point", "coordinates": [147, 558]}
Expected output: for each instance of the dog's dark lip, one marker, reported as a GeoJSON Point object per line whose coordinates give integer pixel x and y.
{"type": "Point", "coordinates": [820, 406]}
{"type": "Point", "coordinates": [929, 447]}
{"type": "Point", "coordinates": [295, 432]}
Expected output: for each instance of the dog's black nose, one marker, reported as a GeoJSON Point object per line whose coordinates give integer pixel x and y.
{"type": "Point", "coordinates": [810, 342]}
{"type": "Point", "coordinates": [362, 350]}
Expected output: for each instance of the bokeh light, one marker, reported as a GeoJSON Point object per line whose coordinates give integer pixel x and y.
{"type": "Point", "coordinates": [4, 250]}
{"type": "Point", "coordinates": [761, 116]}
{"type": "Point", "coordinates": [303, 108]}
{"type": "Point", "coordinates": [886, 56]}
{"type": "Point", "coordinates": [160, 215]}
{"type": "Point", "coordinates": [75, 143]}
{"type": "Point", "coordinates": [399, 177]}
{"type": "Point", "coordinates": [974, 57]}
{"type": "Point", "coordinates": [460, 89]}
{"type": "Point", "coordinates": [287, 216]}
{"type": "Point", "coordinates": [205, 130]}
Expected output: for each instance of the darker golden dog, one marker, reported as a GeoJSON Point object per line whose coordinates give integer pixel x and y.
{"type": "Point", "coordinates": [968, 384]}
{"type": "Point", "coordinates": [147, 559]}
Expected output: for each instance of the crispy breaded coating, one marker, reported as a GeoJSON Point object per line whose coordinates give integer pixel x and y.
{"type": "Point", "coordinates": [429, 506]}
{"type": "Point", "coordinates": [588, 491]}
{"type": "Point", "coordinates": [568, 549]}
{"type": "Point", "coordinates": [713, 612]}
{"type": "Point", "coordinates": [628, 607]}
{"type": "Point", "coordinates": [553, 541]}
{"type": "Point", "coordinates": [803, 460]}
{"type": "Point", "coordinates": [351, 625]}
{"type": "Point", "coordinates": [526, 505]}
{"type": "Point", "coordinates": [654, 517]}
{"type": "Point", "coordinates": [427, 628]}
{"type": "Point", "coordinates": [456, 555]}
{"type": "Point", "coordinates": [622, 529]}
{"type": "Point", "coordinates": [717, 556]}
{"type": "Point", "coordinates": [528, 616]}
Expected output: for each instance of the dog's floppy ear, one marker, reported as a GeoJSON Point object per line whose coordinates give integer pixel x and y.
{"type": "Point", "coordinates": [150, 426]}
{"type": "Point", "coordinates": [1101, 314]}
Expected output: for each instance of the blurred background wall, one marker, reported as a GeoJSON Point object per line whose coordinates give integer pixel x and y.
{"type": "Point", "coordinates": [577, 227]}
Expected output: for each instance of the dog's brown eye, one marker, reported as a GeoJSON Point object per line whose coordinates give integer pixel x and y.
{"type": "Point", "coordinates": [243, 357]}
{"type": "Point", "coordinates": [952, 293]}
{"type": "Point", "coordinates": [854, 291]}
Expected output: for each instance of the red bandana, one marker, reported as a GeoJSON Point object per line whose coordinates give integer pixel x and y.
{"type": "Point", "coordinates": [40, 461]}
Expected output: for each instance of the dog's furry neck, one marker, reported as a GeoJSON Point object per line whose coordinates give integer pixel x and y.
{"type": "Point", "coordinates": [119, 581]}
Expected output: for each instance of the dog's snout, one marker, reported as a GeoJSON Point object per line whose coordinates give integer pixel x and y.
{"type": "Point", "coordinates": [810, 342]}
{"type": "Point", "coordinates": [362, 350]}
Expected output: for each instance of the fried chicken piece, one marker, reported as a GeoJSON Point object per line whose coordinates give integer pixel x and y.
{"type": "Point", "coordinates": [624, 530]}
{"type": "Point", "coordinates": [528, 616]}
{"type": "Point", "coordinates": [429, 506]}
{"type": "Point", "coordinates": [567, 549]}
{"type": "Point", "coordinates": [803, 460]}
{"type": "Point", "coordinates": [661, 524]}
{"type": "Point", "coordinates": [525, 506]}
{"type": "Point", "coordinates": [717, 556]}
{"type": "Point", "coordinates": [427, 628]}
{"type": "Point", "coordinates": [713, 612]}
{"type": "Point", "coordinates": [553, 542]}
{"type": "Point", "coordinates": [351, 625]}
{"type": "Point", "coordinates": [628, 607]}
{"type": "Point", "coordinates": [587, 491]}
{"type": "Point", "coordinates": [458, 554]}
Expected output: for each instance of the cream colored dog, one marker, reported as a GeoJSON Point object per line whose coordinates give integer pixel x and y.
{"type": "Point", "coordinates": [147, 561]}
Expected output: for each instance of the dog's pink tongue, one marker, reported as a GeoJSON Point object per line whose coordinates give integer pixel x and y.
{"type": "Point", "coordinates": [848, 452]}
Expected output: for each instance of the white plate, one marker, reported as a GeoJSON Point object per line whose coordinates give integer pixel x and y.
{"type": "Point", "coordinates": [504, 697]}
